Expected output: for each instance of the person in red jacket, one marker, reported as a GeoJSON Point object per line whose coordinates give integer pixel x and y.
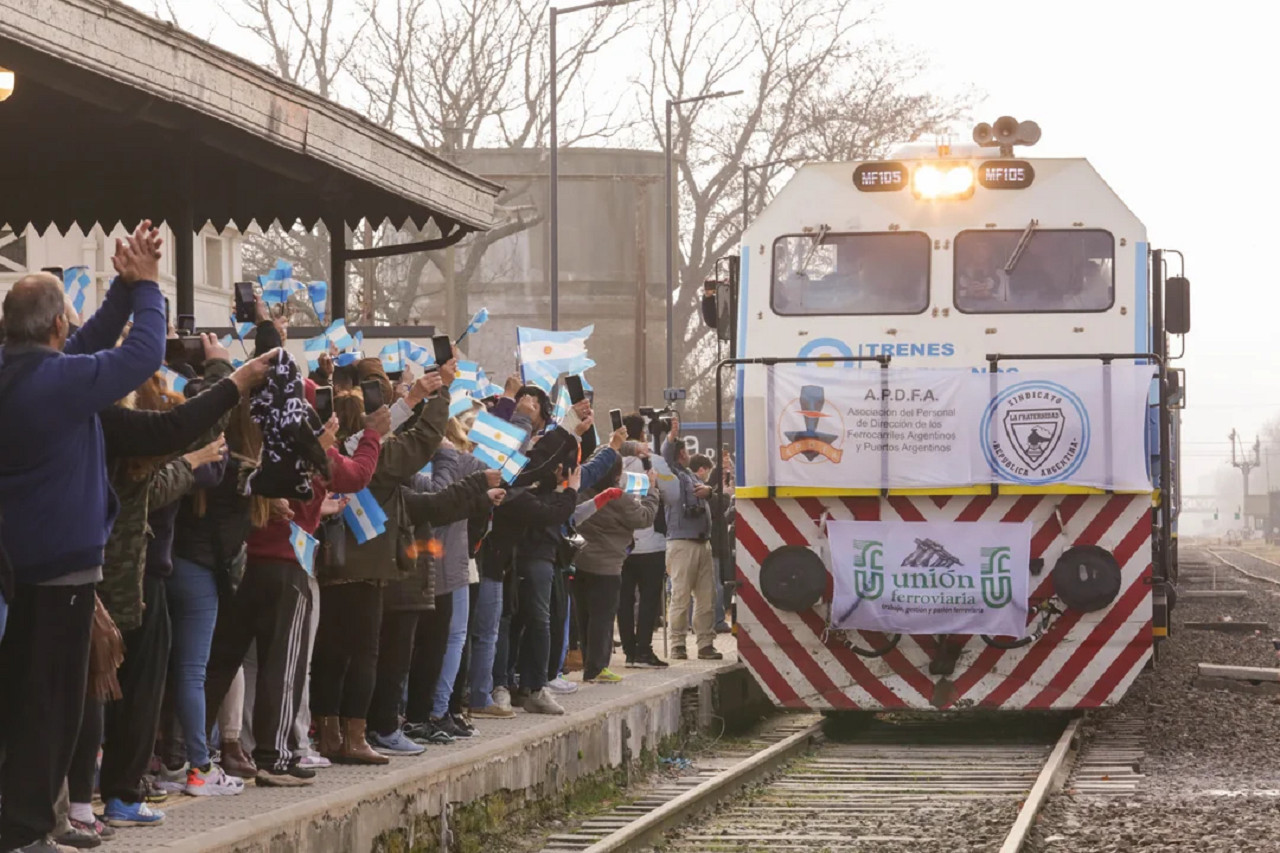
{"type": "Point", "coordinates": [273, 606]}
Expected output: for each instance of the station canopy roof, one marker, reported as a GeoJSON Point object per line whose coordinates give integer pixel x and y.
{"type": "Point", "coordinates": [117, 116]}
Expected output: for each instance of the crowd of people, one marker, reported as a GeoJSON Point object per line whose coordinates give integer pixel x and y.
{"type": "Point", "coordinates": [186, 602]}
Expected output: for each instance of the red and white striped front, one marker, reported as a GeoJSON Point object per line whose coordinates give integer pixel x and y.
{"type": "Point", "coordinates": [1084, 660]}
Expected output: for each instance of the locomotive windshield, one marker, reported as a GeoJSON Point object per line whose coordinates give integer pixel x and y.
{"type": "Point", "coordinates": [1056, 271]}
{"type": "Point", "coordinates": [825, 273]}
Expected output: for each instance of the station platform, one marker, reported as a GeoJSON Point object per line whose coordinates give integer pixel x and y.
{"type": "Point", "coordinates": [357, 809]}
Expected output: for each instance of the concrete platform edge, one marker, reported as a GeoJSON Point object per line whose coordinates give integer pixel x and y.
{"type": "Point", "coordinates": [548, 752]}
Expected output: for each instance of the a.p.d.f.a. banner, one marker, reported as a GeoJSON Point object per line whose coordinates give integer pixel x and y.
{"type": "Point", "coordinates": [925, 578]}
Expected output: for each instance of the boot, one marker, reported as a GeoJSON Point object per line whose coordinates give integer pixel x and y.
{"type": "Point", "coordinates": [329, 732]}
{"type": "Point", "coordinates": [355, 749]}
{"type": "Point", "coordinates": [236, 762]}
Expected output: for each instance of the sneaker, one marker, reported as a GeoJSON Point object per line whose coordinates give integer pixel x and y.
{"type": "Point", "coordinates": [430, 732]}
{"type": "Point", "coordinates": [519, 697]}
{"type": "Point", "coordinates": [314, 760]}
{"type": "Point", "coordinates": [605, 676]}
{"type": "Point", "coordinates": [80, 837]}
{"type": "Point", "coordinates": [152, 792]}
{"type": "Point", "coordinates": [649, 660]}
{"type": "Point", "coordinates": [562, 685]}
{"type": "Point", "coordinates": [502, 699]}
{"type": "Point", "coordinates": [172, 781]}
{"type": "Point", "coordinates": [396, 743]}
{"type": "Point", "coordinates": [493, 711]}
{"type": "Point", "coordinates": [679, 653]}
{"type": "Point", "coordinates": [120, 813]}
{"type": "Point", "coordinates": [295, 777]}
{"type": "Point", "coordinates": [47, 845]}
{"type": "Point", "coordinates": [541, 702]}
{"type": "Point", "coordinates": [212, 782]}
{"type": "Point", "coordinates": [460, 724]}
{"type": "Point", "coordinates": [709, 653]}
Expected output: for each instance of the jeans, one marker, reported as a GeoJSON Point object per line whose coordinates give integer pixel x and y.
{"type": "Point", "coordinates": [430, 643]}
{"type": "Point", "coordinates": [484, 642]}
{"type": "Point", "coordinates": [452, 652]}
{"type": "Point", "coordinates": [502, 654]}
{"type": "Point", "coordinates": [395, 655]}
{"type": "Point", "coordinates": [4, 614]}
{"type": "Point", "coordinates": [192, 591]}
{"type": "Point", "coordinates": [536, 578]}
{"type": "Point", "coordinates": [344, 670]}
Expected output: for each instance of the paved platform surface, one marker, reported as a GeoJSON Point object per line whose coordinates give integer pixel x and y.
{"type": "Point", "coordinates": [349, 806]}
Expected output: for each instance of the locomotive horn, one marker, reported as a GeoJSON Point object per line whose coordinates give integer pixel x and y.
{"type": "Point", "coordinates": [1006, 130]}
{"type": "Point", "coordinates": [1028, 133]}
{"type": "Point", "coordinates": [982, 134]}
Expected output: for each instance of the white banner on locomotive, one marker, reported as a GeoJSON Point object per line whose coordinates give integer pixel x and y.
{"type": "Point", "coordinates": [915, 428]}
{"type": "Point", "coordinates": [923, 578]}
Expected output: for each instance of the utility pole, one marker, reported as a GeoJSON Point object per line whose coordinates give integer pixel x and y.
{"type": "Point", "coordinates": [1246, 464]}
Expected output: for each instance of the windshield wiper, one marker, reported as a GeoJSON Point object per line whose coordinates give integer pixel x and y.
{"type": "Point", "coordinates": [819, 238]}
{"type": "Point", "coordinates": [1023, 242]}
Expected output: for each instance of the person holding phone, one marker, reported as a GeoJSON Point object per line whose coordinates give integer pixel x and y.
{"type": "Point", "coordinates": [344, 671]}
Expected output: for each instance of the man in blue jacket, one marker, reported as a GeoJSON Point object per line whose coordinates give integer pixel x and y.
{"type": "Point", "coordinates": [58, 510]}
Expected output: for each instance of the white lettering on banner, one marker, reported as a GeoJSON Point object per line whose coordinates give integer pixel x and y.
{"type": "Point", "coordinates": [928, 578]}
{"type": "Point", "coordinates": [947, 428]}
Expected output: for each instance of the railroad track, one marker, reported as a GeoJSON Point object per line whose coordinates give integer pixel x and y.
{"type": "Point", "coordinates": [888, 785]}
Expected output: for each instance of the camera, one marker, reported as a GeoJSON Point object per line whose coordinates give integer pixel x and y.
{"type": "Point", "coordinates": [696, 512]}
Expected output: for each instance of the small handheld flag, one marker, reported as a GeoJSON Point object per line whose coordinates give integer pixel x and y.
{"type": "Point", "coordinates": [365, 518]}
{"type": "Point", "coordinates": [338, 335]}
{"type": "Point", "coordinates": [636, 484]}
{"type": "Point", "coordinates": [314, 348]}
{"type": "Point", "coordinates": [481, 317]}
{"type": "Point", "coordinates": [319, 293]}
{"type": "Point", "coordinates": [420, 356]}
{"type": "Point", "coordinates": [175, 380]}
{"type": "Point", "coordinates": [304, 548]}
{"type": "Point", "coordinates": [348, 358]}
{"type": "Point", "coordinates": [392, 358]}
{"type": "Point", "coordinates": [278, 285]}
{"type": "Point", "coordinates": [75, 283]}
{"type": "Point", "coordinates": [544, 355]}
{"type": "Point", "coordinates": [467, 377]}
{"type": "Point", "coordinates": [497, 444]}
{"type": "Point", "coordinates": [460, 401]}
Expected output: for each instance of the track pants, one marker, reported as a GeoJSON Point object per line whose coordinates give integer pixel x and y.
{"type": "Point", "coordinates": [272, 607]}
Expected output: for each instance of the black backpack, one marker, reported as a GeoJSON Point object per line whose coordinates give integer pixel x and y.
{"type": "Point", "coordinates": [660, 520]}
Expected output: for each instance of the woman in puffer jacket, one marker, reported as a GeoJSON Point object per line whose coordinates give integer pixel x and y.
{"type": "Point", "coordinates": [609, 534]}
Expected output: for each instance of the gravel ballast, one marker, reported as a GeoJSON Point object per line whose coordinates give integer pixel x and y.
{"type": "Point", "coordinates": [1212, 756]}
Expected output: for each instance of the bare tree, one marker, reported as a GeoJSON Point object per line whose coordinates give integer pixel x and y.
{"type": "Point", "coordinates": [817, 85]}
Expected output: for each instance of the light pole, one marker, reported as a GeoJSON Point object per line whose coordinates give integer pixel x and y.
{"type": "Point", "coordinates": [746, 183]}
{"type": "Point", "coordinates": [555, 147]}
{"type": "Point", "coordinates": [672, 103]}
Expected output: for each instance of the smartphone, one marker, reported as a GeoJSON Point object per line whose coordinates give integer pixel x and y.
{"type": "Point", "coordinates": [324, 403]}
{"type": "Point", "coordinates": [188, 350]}
{"type": "Point", "coordinates": [615, 415]}
{"type": "Point", "coordinates": [167, 315]}
{"type": "Point", "coordinates": [186, 324]}
{"type": "Point", "coordinates": [443, 348]}
{"type": "Point", "coordinates": [245, 309]}
{"type": "Point", "coordinates": [573, 384]}
{"type": "Point", "coordinates": [372, 390]}
{"type": "Point", "coordinates": [56, 271]}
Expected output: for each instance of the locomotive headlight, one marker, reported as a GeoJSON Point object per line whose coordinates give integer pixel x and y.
{"type": "Point", "coordinates": [934, 182]}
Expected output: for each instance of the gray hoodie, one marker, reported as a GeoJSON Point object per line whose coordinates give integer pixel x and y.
{"type": "Point", "coordinates": [609, 533]}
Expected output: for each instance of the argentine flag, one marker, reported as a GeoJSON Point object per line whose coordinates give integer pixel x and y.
{"type": "Point", "coordinates": [240, 330]}
{"type": "Point", "coordinates": [562, 405]}
{"type": "Point", "coordinates": [635, 484]}
{"type": "Point", "coordinates": [420, 356]}
{"type": "Point", "coordinates": [467, 377]}
{"type": "Point", "coordinates": [304, 548]}
{"type": "Point", "coordinates": [545, 355]}
{"type": "Point", "coordinates": [75, 283]}
{"type": "Point", "coordinates": [172, 378]}
{"type": "Point", "coordinates": [392, 358]}
{"type": "Point", "coordinates": [513, 466]}
{"type": "Point", "coordinates": [460, 401]}
{"type": "Point", "coordinates": [365, 518]}
{"type": "Point", "coordinates": [314, 348]}
{"type": "Point", "coordinates": [338, 335]}
{"type": "Point", "coordinates": [348, 358]}
{"type": "Point", "coordinates": [496, 442]}
{"type": "Point", "coordinates": [481, 317]}
{"type": "Point", "coordinates": [278, 285]}
{"type": "Point", "coordinates": [319, 293]}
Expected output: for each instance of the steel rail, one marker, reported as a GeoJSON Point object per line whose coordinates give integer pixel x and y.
{"type": "Point", "coordinates": [724, 784]}
{"type": "Point", "coordinates": [1246, 572]}
{"type": "Point", "coordinates": [1052, 775]}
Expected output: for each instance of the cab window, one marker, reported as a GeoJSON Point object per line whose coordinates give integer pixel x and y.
{"type": "Point", "coordinates": [826, 273]}
{"type": "Point", "coordinates": [1055, 271]}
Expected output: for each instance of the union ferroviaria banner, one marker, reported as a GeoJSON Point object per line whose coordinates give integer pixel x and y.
{"type": "Point", "coordinates": [945, 428]}
{"type": "Point", "coordinates": [925, 578]}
